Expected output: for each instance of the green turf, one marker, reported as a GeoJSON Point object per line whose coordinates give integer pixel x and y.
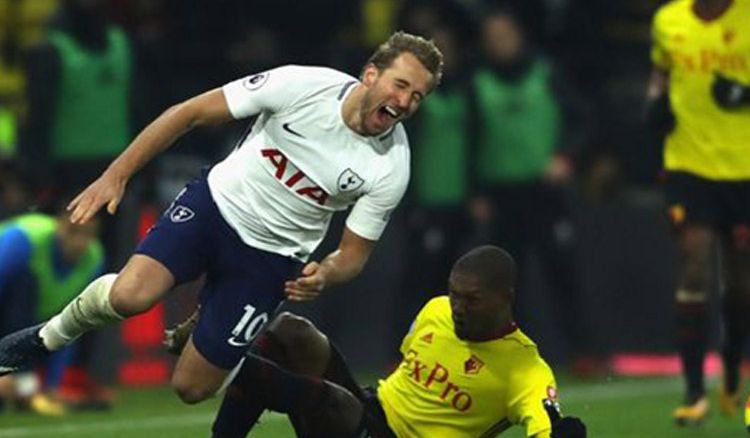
{"type": "Point", "coordinates": [615, 408]}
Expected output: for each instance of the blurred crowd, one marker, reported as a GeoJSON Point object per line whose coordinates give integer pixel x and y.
{"type": "Point", "coordinates": [539, 112]}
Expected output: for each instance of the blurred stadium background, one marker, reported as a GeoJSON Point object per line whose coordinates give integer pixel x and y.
{"type": "Point", "coordinates": [622, 381]}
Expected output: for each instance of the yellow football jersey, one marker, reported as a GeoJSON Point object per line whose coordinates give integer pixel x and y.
{"type": "Point", "coordinates": [446, 387]}
{"type": "Point", "coordinates": [708, 141]}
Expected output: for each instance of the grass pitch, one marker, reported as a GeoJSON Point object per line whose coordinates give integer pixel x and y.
{"type": "Point", "coordinates": [612, 408]}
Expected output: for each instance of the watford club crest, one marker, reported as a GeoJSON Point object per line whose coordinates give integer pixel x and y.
{"type": "Point", "coordinates": [729, 36]}
{"type": "Point", "coordinates": [473, 365]}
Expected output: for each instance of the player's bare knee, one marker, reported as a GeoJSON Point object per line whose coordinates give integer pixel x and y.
{"type": "Point", "coordinates": [128, 297]}
{"type": "Point", "coordinates": [189, 391]}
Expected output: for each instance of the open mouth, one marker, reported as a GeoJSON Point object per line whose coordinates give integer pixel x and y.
{"type": "Point", "coordinates": [389, 112]}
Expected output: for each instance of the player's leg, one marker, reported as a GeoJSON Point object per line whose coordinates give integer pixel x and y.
{"type": "Point", "coordinates": [297, 346]}
{"type": "Point", "coordinates": [734, 313]}
{"type": "Point", "coordinates": [308, 351]}
{"type": "Point", "coordinates": [291, 342]}
{"type": "Point", "coordinates": [243, 288]}
{"type": "Point", "coordinates": [737, 287]}
{"type": "Point", "coordinates": [697, 250]}
{"type": "Point", "coordinates": [195, 378]}
{"type": "Point", "coordinates": [106, 300]}
{"type": "Point", "coordinates": [173, 252]}
{"type": "Point", "coordinates": [694, 211]}
{"type": "Point", "coordinates": [321, 408]}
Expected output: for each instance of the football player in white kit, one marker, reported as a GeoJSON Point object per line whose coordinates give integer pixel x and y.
{"type": "Point", "coordinates": [322, 141]}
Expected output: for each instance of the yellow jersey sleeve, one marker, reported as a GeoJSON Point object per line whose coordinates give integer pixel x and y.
{"type": "Point", "coordinates": [659, 54]}
{"type": "Point", "coordinates": [530, 387]}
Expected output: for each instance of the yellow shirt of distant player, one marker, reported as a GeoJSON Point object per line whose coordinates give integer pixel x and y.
{"type": "Point", "coordinates": [447, 388]}
{"type": "Point", "coordinates": [708, 141]}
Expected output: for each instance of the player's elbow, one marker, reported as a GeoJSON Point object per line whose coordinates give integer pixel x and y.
{"type": "Point", "coordinates": [209, 108]}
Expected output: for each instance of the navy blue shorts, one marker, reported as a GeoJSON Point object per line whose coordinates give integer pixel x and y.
{"type": "Point", "coordinates": [244, 285]}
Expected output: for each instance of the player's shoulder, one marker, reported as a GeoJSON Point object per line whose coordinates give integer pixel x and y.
{"type": "Point", "coordinates": [12, 233]}
{"type": "Point", "coordinates": [674, 9]}
{"type": "Point", "coordinates": [309, 75]}
{"type": "Point", "coordinates": [396, 144]}
{"type": "Point", "coordinates": [438, 307]}
{"type": "Point", "coordinates": [526, 356]}
{"type": "Point", "coordinates": [392, 159]}
{"type": "Point", "coordinates": [398, 134]}
{"type": "Point", "coordinates": [521, 338]}
{"type": "Point", "coordinates": [742, 4]}
{"type": "Point", "coordinates": [521, 348]}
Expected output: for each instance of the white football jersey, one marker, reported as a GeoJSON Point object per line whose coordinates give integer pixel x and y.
{"type": "Point", "coordinates": [301, 162]}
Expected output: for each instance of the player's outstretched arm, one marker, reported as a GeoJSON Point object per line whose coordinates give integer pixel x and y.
{"type": "Point", "coordinates": [339, 266]}
{"type": "Point", "coordinates": [209, 108]}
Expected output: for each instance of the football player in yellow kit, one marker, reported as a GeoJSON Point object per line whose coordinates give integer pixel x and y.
{"type": "Point", "coordinates": [467, 371]}
{"type": "Point", "coordinates": [701, 55]}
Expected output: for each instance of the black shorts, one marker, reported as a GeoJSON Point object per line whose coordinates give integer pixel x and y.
{"type": "Point", "coordinates": [377, 424]}
{"type": "Point", "coordinates": [723, 205]}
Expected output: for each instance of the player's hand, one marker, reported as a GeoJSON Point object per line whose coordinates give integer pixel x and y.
{"type": "Point", "coordinates": [729, 94]}
{"type": "Point", "coordinates": [308, 286]}
{"type": "Point", "coordinates": [568, 427]}
{"type": "Point", "coordinates": [107, 189]}
{"type": "Point", "coordinates": [563, 427]}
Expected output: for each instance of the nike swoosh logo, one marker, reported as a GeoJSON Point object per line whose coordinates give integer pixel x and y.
{"type": "Point", "coordinates": [289, 129]}
{"type": "Point", "coordinates": [235, 343]}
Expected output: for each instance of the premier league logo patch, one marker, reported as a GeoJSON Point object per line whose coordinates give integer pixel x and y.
{"type": "Point", "coordinates": [180, 214]}
{"type": "Point", "coordinates": [349, 181]}
{"type": "Point", "coordinates": [254, 82]}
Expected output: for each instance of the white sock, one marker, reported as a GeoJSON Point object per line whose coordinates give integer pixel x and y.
{"type": "Point", "coordinates": [26, 384]}
{"type": "Point", "coordinates": [90, 310]}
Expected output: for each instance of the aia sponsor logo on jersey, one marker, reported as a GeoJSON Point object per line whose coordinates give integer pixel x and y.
{"type": "Point", "coordinates": [473, 365]}
{"type": "Point", "coordinates": [286, 172]}
{"type": "Point", "coordinates": [256, 81]}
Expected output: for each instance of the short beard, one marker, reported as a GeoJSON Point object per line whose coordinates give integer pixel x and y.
{"type": "Point", "coordinates": [363, 113]}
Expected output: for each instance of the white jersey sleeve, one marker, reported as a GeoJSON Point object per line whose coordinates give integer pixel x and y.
{"type": "Point", "coordinates": [372, 211]}
{"type": "Point", "coordinates": [270, 91]}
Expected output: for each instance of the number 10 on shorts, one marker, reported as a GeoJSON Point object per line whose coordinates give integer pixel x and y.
{"type": "Point", "coordinates": [247, 327]}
